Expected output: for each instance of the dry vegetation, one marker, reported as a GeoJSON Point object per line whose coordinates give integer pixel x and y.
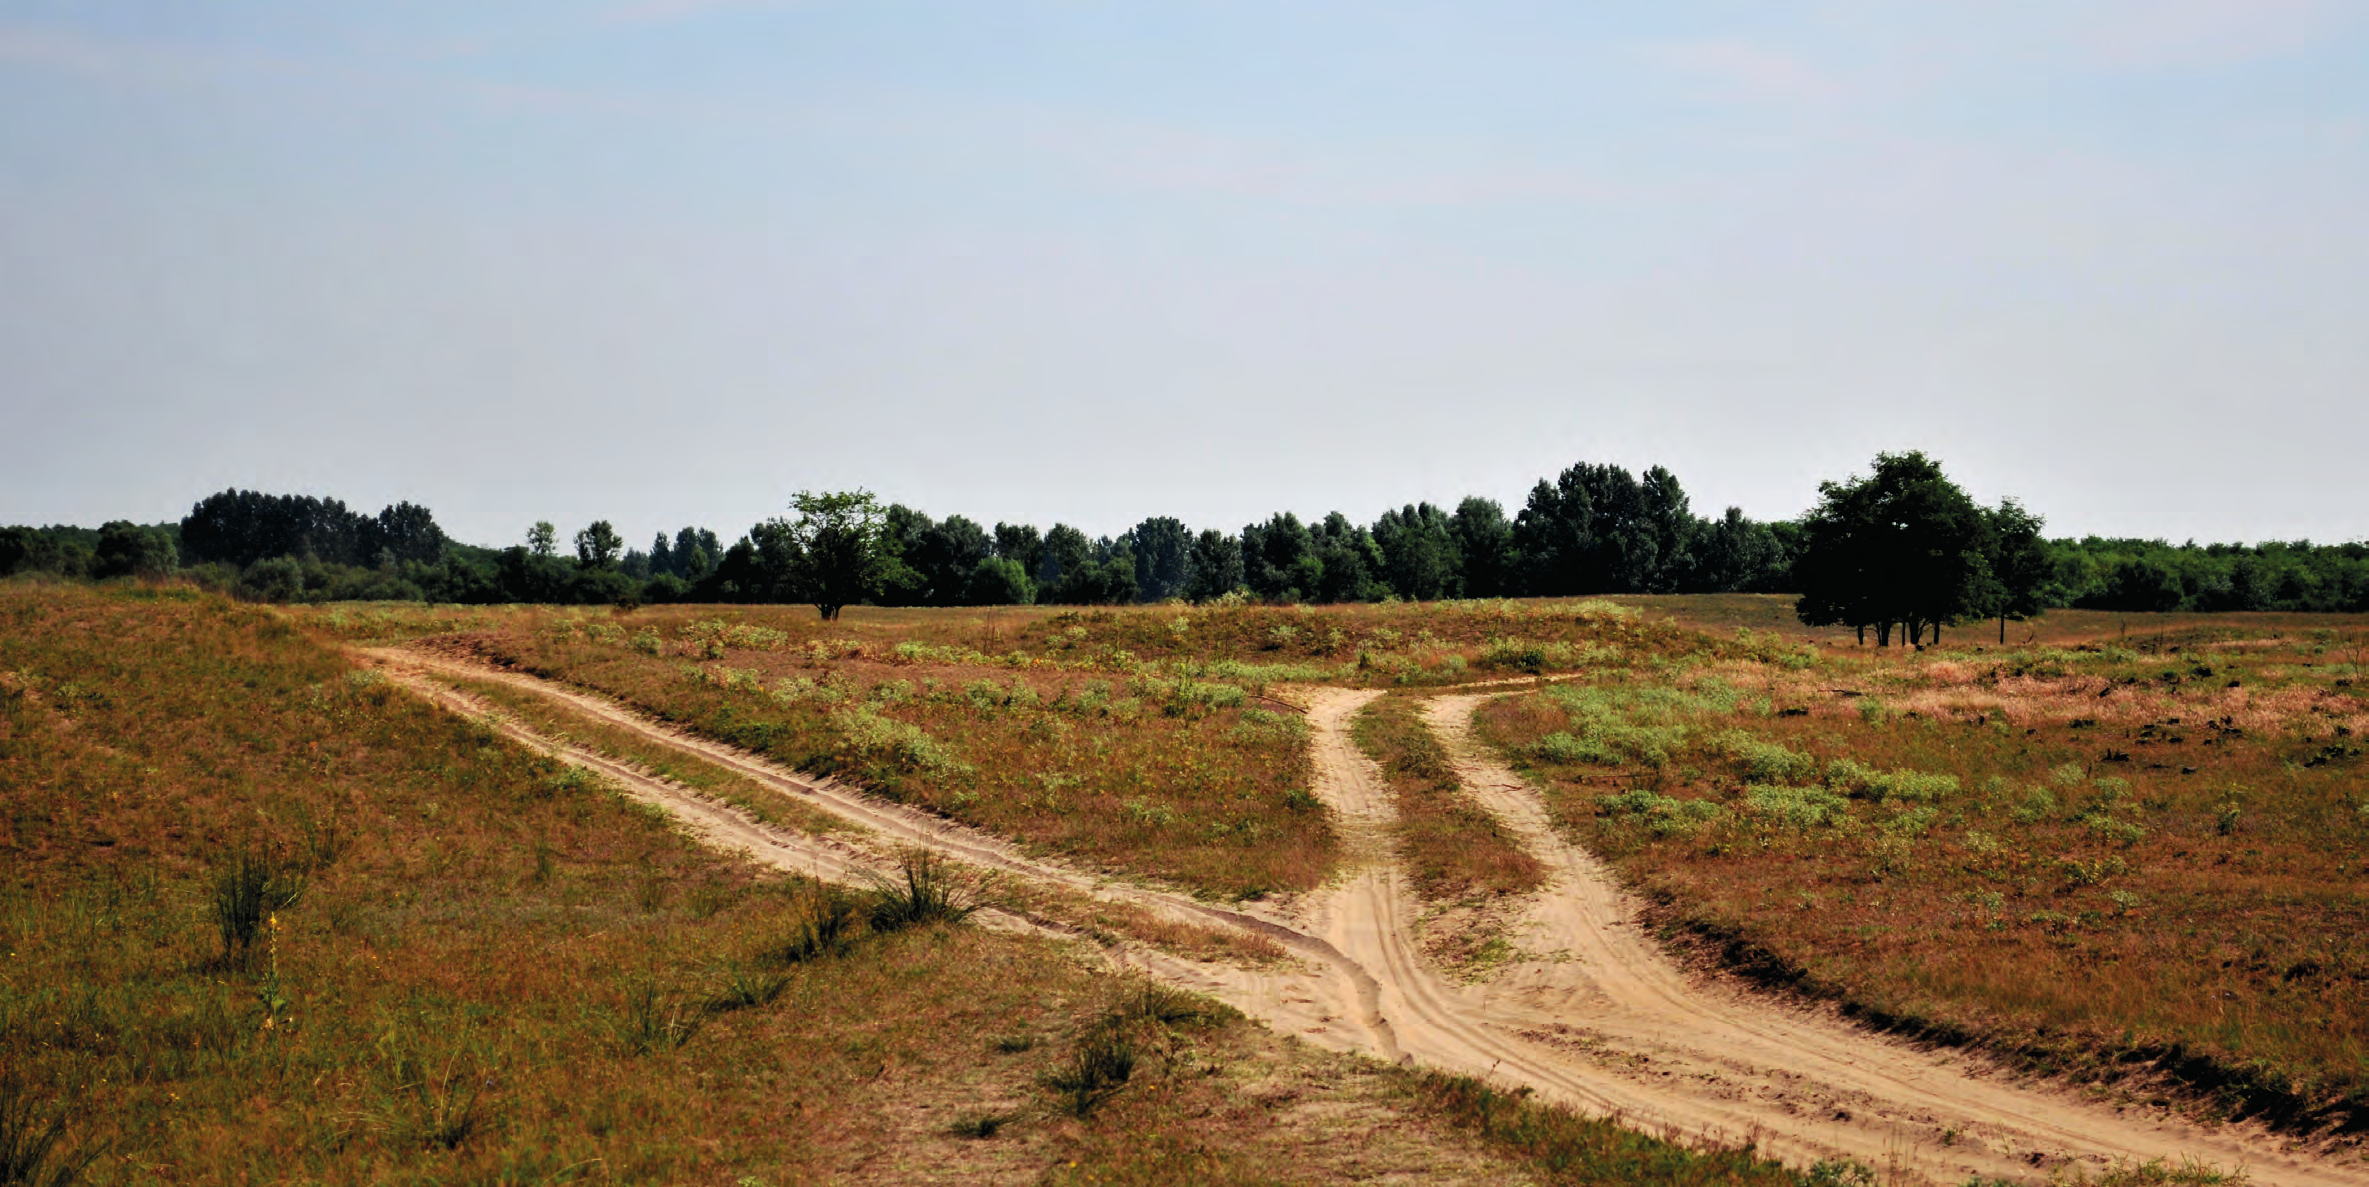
{"type": "Point", "coordinates": [1142, 741]}
{"type": "Point", "coordinates": [268, 918]}
{"type": "Point", "coordinates": [2138, 859]}
{"type": "Point", "coordinates": [1460, 860]}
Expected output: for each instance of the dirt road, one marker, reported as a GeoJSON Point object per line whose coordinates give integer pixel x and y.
{"type": "Point", "coordinates": [1595, 1015]}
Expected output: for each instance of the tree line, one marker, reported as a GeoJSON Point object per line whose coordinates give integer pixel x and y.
{"type": "Point", "coordinates": [1900, 548]}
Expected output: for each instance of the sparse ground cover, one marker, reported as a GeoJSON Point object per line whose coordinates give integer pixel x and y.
{"type": "Point", "coordinates": [1144, 741]}
{"type": "Point", "coordinates": [2137, 855]}
{"type": "Point", "coordinates": [1178, 779]}
{"type": "Point", "coordinates": [269, 918]}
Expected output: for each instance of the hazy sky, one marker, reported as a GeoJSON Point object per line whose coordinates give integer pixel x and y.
{"type": "Point", "coordinates": [666, 261]}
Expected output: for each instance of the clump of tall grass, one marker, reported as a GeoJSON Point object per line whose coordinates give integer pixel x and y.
{"type": "Point", "coordinates": [647, 1021]}
{"type": "Point", "coordinates": [443, 1111]}
{"type": "Point", "coordinates": [1138, 1023]}
{"type": "Point", "coordinates": [738, 988]}
{"type": "Point", "coordinates": [822, 924]}
{"type": "Point", "coordinates": [248, 890]}
{"type": "Point", "coordinates": [1096, 1070]}
{"type": "Point", "coordinates": [30, 1153]}
{"type": "Point", "coordinates": [926, 890]}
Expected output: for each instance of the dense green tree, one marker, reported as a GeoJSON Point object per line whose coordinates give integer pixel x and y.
{"type": "Point", "coordinates": [2017, 565]}
{"type": "Point", "coordinates": [1350, 566]}
{"type": "Point", "coordinates": [902, 580]}
{"type": "Point", "coordinates": [1217, 565]}
{"type": "Point", "coordinates": [126, 549]}
{"type": "Point", "coordinates": [1163, 551]}
{"type": "Point", "coordinates": [1484, 548]}
{"type": "Point", "coordinates": [998, 581]}
{"type": "Point", "coordinates": [1279, 560]}
{"type": "Point", "coordinates": [1065, 549]}
{"type": "Point", "coordinates": [1665, 518]}
{"type": "Point", "coordinates": [839, 546]}
{"type": "Point", "coordinates": [1420, 561]}
{"type": "Point", "coordinates": [1736, 553]}
{"type": "Point", "coordinates": [1596, 529]}
{"type": "Point", "coordinates": [240, 527]}
{"type": "Point", "coordinates": [1105, 577]}
{"type": "Point", "coordinates": [694, 555]}
{"type": "Point", "coordinates": [598, 544]}
{"type": "Point", "coordinates": [1902, 545]}
{"type": "Point", "coordinates": [407, 531]}
{"type": "Point", "coordinates": [542, 540]}
{"type": "Point", "coordinates": [1021, 543]}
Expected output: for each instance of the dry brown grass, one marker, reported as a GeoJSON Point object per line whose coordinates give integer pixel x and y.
{"type": "Point", "coordinates": [2149, 849]}
{"type": "Point", "coordinates": [1186, 781]}
{"type": "Point", "coordinates": [454, 995]}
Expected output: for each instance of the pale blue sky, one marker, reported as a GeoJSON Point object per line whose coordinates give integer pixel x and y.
{"type": "Point", "coordinates": [665, 261]}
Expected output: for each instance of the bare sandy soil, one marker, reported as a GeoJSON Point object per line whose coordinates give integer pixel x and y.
{"type": "Point", "coordinates": [1594, 1015]}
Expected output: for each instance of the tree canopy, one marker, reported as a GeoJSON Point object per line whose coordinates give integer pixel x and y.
{"type": "Point", "coordinates": [1904, 545]}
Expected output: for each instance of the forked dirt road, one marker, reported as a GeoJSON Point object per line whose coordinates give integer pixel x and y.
{"type": "Point", "coordinates": [1595, 1015]}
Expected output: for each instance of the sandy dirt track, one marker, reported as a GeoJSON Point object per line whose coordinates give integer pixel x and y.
{"type": "Point", "coordinates": [1594, 1015]}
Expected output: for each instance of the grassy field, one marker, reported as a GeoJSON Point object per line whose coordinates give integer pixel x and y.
{"type": "Point", "coordinates": [2116, 854]}
{"type": "Point", "coordinates": [1968, 841]}
{"type": "Point", "coordinates": [269, 919]}
{"type": "Point", "coordinates": [1141, 741]}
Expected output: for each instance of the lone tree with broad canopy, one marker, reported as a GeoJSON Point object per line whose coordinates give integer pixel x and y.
{"type": "Point", "coordinates": [834, 553]}
{"type": "Point", "coordinates": [1902, 545]}
{"type": "Point", "coordinates": [2019, 567]}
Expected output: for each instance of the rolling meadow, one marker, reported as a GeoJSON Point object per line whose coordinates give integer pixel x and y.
{"type": "Point", "coordinates": [271, 918]}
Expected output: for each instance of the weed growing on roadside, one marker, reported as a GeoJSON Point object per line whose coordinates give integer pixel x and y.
{"type": "Point", "coordinates": [929, 890]}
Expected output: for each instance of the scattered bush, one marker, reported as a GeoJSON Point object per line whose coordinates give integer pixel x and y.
{"type": "Point", "coordinates": [1765, 762]}
{"type": "Point", "coordinates": [1867, 783]}
{"type": "Point", "coordinates": [1662, 815]}
{"type": "Point", "coordinates": [1796, 807]}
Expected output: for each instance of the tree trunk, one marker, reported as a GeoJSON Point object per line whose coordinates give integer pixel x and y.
{"type": "Point", "coordinates": [2002, 630]}
{"type": "Point", "coordinates": [1883, 634]}
{"type": "Point", "coordinates": [1937, 634]}
{"type": "Point", "coordinates": [1863, 634]}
